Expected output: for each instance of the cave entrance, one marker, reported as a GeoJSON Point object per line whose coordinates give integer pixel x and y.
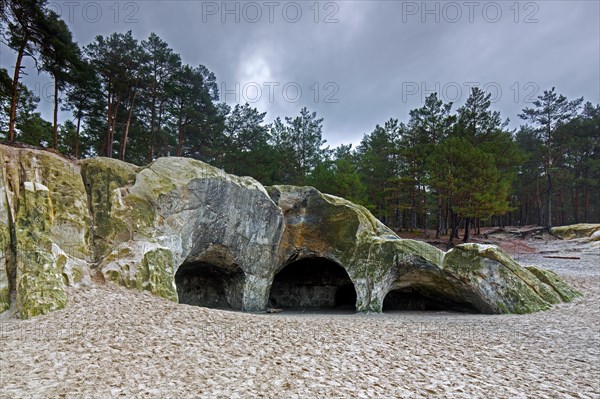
{"type": "Point", "coordinates": [211, 286]}
{"type": "Point", "coordinates": [314, 283]}
{"type": "Point", "coordinates": [415, 299]}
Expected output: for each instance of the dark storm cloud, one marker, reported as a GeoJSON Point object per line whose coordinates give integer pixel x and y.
{"type": "Point", "coordinates": [358, 63]}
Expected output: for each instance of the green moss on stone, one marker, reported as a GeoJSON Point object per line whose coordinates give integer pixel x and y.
{"type": "Point", "coordinates": [65, 187]}
{"type": "Point", "coordinates": [157, 274]}
{"type": "Point", "coordinates": [114, 276]}
{"type": "Point", "coordinates": [40, 287]}
{"type": "Point", "coordinates": [477, 265]}
{"type": "Point", "coordinates": [519, 297]}
{"type": "Point", "coordinates": [572, 231]}
{"type": "Point", "coordinates": [552, 279]}
{"type": "Point", "coordinates": [154, 271]}
{"type": "Point", "coordinates": [102, 176]}
{"type": "Point", "coordinates": [4, 299]}
{"type": "Point", "coordinates": [143, 212]}
{"type": "Point", "coordinates": [61, 261]}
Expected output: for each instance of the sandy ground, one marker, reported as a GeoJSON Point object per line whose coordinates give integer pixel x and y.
{"type": "Point", "coordinates": [111, 342]}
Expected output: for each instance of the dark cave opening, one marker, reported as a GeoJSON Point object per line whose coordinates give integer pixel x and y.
{"type": "Point", "coordinates": [314, 283]}
{"type": "Point", "coordinates": [414, 299]}
{"type": "Point", "coordinates": [207, 285]}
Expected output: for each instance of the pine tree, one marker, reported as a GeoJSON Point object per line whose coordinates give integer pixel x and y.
{"type": "Point", "coordinates": [338, 175]}
{"type": "Point", "coordinates": [60, 57]}
{"type": "Point", "coordinates": [301, 140]}
{"type": "Point", "coordinates": [428, 127]}
{"type": "Point", "coordinates": [163, 65]}
{"type": "Point", "coordinates": [247, 151]}
{"type": "Point", "coordinates": [26, 21]}
{"type": "Point", "coordinates": [380, 167]}
{"type": "Point", "coordinates": [550, 112]}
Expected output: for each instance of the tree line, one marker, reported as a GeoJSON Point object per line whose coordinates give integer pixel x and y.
{"type": "Point", "coordinates": [442, 170]}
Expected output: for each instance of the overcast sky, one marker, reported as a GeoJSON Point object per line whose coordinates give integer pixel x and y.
{"type": "Point", "coordinates": [358, 63]}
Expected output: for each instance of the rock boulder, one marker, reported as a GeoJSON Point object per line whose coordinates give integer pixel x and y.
{"type": "Point", "coordinates": [189, 232]}
{"type": "Point", "coordinates": [581, 230]}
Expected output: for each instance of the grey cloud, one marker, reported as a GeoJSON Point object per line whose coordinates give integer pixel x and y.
{"type": "Point", "coordinates": [376, 50]}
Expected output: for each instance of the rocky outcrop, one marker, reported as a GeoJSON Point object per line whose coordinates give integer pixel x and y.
{"type": "Point", "coordinates": [470, 277]}
{"type": "Point", "coordinates": [376, 259]}
{"type": "Point", "coordinates": [177, 212]}
{"type": "Point", "coordinates": [44, 225]}
{"type": "Point", "coordinates": [494, 283]}
{"type": "Point", "coordinates": [187, 231]}
{"type": "Point", "coordinates": [581, 230]}
{"type": "Point", "coordinates": [548, 277]}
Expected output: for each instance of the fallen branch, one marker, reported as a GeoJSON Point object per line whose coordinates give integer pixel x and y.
{"type": "Point", "coordinates": [563, 257]}
{"type": "Point", "coordinates": [518, 232]}
{"type": "Point", "coordinates": [524, 233]}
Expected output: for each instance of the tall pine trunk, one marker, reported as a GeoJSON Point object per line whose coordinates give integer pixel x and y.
{"type": "Point", "coordinates": [150, 153]}
{"type": "Point", "coordinates": [180, 140]}
{"type": "Point", "coordinates": [549, 200]}
{"type": "Point", "coordinates": [158, 129]}
{"type": "Point", "coordinates": [467, 228]}
{"type": "Point", "coordinates": [561, 205]}
{"type": "Point", "coordinates": [424, 210]}
{"type": "Point", "coordinates": [586, 199]}
{"type": "Point", "coordinates": [549, 178]}
{"type": "Point", "coordinates": [413, 215]}
{"type": "Point", "coordinates": [576, 205]}
{"type": "Point", "coordinates": [15, 92]}
{"type": "Point", "coordinates": [77, 135]}
{"type": "Point", "coordinates": [451, 236]}
{"type": "Point", "coordinates": [126, 133]}
{"type": "Point", "coordinates": [447, 217]}
{"type": "Point", "coordinates": [113, 127]}
{"type": "Point", "coordinates": [438, 228]}
{"type": "Point", "coordinates": [55, 127]}
{"type": "Point", "coordinates": [181, 132]}
{"type": "Point", "coordinates": [104, 149]}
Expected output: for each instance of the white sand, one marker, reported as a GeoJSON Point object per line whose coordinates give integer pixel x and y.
{"type": "Point", "coordinates": [112, 342]}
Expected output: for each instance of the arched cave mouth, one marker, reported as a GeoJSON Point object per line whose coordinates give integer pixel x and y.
{"type": "Point", "coordinates": [313, 283]}
{"type": "Point", "coordinates": [208, 285]}
{"type": "Point", "coordinates": [415, 299]}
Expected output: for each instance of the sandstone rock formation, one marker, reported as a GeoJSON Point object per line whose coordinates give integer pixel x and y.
{"type": "Point", "coordinates": [44, 228]}
{"type": "Point", "coordinates": [189, 232]}
{"type": "Point", "coordinates": [581, 230]}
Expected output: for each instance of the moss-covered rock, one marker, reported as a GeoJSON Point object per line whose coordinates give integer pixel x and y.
{"type": "Point", "coordinates": [5, 244]}
{"type": "Point", "coordinates": [141, 266]}
{"type": "Point", "coordinates": [377, 261]}
{"type": "Point", "coordinates": [496, 282]}
{"type": "Point", "coordinates": [105, 179]}
{"type": "Point", "coordinates": [44, 228]}
{"type": "Point", "coordinates": [75, 272]}
{"type": "Point", "coordinates": [139, 225]}
{"type": "Point", "coordinates": [375, 258]}
{"type": "Point", "coordinates": [40, 287]}
{"type": "Point", "coordinates": [548, 277]}
{"type": "Point", "coordinates": [196, 212]}
{"type": "Point", "coordinates": [581, 230]}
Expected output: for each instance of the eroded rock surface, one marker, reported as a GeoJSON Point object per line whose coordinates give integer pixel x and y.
{"type": "Point", "coordinates": [581, 230]}
{"type": "Point", "coordinates": [470, 277]}
{"type": "Point", "coordinates": [176, 212]}
{"type": "Point", "coordinates": [187, 231]}
{"type": "Point", "coordinates": [44, 227]}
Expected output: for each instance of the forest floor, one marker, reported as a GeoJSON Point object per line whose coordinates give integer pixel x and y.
{"type": "Point", "coordinates": [514, 240]}
{"type": "Point", "coordinates": [111, 342]}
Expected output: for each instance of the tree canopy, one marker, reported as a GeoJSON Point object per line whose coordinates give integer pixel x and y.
{"type": "Point", "coordinates": [136, 100]}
